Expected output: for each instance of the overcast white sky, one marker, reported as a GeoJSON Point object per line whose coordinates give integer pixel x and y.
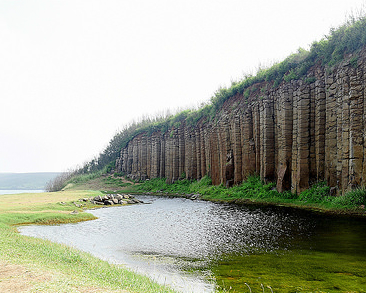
{"type": "Point", "coordinates": [74, 72]}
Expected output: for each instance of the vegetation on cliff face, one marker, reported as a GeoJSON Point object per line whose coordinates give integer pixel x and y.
{"type": "Point", "coordinates": [343, 41]}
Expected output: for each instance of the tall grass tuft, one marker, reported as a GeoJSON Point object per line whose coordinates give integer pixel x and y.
{"type": "Point", "coordinates": [316, 194]}
{"type": "Point", "coordinates": [355, 197]}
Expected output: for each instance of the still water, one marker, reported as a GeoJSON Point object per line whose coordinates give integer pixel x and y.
{"type": "Point", "coordinates": [197, 246]}
{"type": "Point", "coordinates": [17, 191]}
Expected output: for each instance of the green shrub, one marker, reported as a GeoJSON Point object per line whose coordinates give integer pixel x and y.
{"type": "Point", "coordinates": [287, 195]}
{"type": "Point", "coordinates": [246, 94]}
{"type": "Point", "coordinates": [81, 178]}
{"type": "Point", "coordinates": [355, 197]}
{"type": "Point", "coordinates": [310, 79]}
{"type": "Point", "coordinates": [291, 75]}
{"type": "Point", "coordinates": [354, 61]}
{"type": "Point", "coordinates": [316, 194]}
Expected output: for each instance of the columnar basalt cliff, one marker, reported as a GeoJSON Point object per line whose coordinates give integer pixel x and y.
{"type": "Point", "coordinates": [297, 133]}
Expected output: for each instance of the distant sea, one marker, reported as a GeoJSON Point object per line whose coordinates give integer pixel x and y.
{"type": "Point", "coordinates": [19, 191]}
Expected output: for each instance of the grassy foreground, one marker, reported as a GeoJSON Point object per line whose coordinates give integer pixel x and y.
{"type": "Point", "coordinates": [63, 269]}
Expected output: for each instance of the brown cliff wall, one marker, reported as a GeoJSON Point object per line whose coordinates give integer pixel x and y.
{"type": "Point", "coordinates": [296, 134]}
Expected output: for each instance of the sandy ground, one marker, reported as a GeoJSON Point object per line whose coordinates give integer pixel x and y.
{"type": "Point", "coordinates": [17, 278]}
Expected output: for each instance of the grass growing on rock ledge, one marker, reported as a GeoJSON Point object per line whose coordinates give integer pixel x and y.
{"type": "Point", "coordinates": [254, 190]}
{"type": "Point", "coordinates": [53, 267]}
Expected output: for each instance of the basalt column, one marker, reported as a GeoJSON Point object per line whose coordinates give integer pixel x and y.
{"type": "Point", "coordinates": [320, 121]}
{"type": "Point", "coordinates": [257, 136]}
{"type": "Point", "coordinates": [190, 154]}
{"type": "Point", "coordinates": [215, 156]}
{"type": "Point", "coordinates": [301, 179]}
{"type": "Point", "coordinates": [312, 155]}
{"type": "Point", "coordinates": [143, 158]}
{"type": "Point", "coordinates": [203, 151]}
{"type": "Point", "coordinates": [285, 128]}
{"type": "Point", "coordinates": [172, 156]}
{"type": "Point", "coordinates": [155, 155]}
{"type": "Point", "coordinates": [181, 150]}
{"type": "Point", "coordinates": [148, 156]}
{"type": "Point", "coordinates": [357, 127]}
{"type": "Point", "coordinates": [162, 157]}
{"type": "Point", "coordinates": [343, 129]}
{"type": "Point", "coordinates": [175, 156]}
{"type": "Point", "coordinates": [267, 140]}
{"type": "Point", "coordinates": [225, 147]}
{"type": "Point", "coordinates": [207, 147]}
{"type": "Point", "coordinates": [198, 153]}
{"type": "Point", "coordinates": [331, 132]}
{"type": "Point", "coordinates": [237, 149]}
{"type": "Point", "coordinates": [249, 155]}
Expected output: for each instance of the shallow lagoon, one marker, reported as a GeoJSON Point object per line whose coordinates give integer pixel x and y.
{"type": "Point", "coordinates": [196, 246]}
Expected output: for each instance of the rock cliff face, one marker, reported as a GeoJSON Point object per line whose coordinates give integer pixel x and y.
{"type": "Point", "coordinates": [295, 134]}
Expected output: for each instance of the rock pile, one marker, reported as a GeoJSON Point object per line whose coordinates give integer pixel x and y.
{"type": "Point", "coordinates": [113, 199]}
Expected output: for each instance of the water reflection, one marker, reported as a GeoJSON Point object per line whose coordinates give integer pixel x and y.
{"type": "Point", "coordinates": [167, 236]}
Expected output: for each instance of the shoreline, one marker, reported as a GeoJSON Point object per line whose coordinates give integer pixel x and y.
{"type": "Point", "coordinates": [359, 213]}
{"type": "Point", "coordinates": [67, 269]}
{"type": "Point", "coordinates": [255, 192]}
{"type": "Point", "coordinates": [219, 194]}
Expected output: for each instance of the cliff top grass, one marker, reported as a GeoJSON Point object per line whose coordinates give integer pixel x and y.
{"type": "Point", "coordinates": [36, 265]}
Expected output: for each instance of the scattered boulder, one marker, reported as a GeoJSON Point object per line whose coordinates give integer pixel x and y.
{"type": "Point", "coordinates": [108, 202]}
{"type": "Point", "coordinates": [118, 197]}
{"type": "Point", "coordinates": [98, 198]}
{"type": "Point", "coordinates": [192, 196]}
{"type": "Point", "coordinates": [77, 205]}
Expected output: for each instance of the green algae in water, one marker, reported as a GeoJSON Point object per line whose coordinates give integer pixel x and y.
{"type": "Point", "coordinates": [292, 271]}
{"type": "Point", "coordinates": [328, 256]}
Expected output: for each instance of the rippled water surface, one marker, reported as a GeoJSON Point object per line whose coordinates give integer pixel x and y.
{"type": "Point", "coordinates": [195, 245]}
